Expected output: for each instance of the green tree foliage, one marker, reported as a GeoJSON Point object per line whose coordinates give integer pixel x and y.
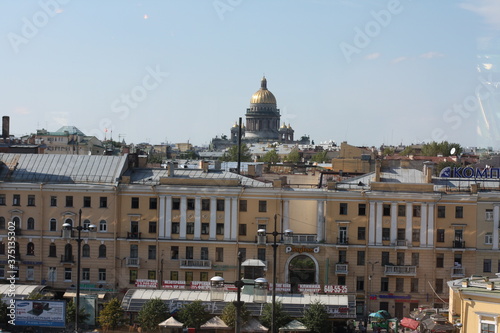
{"type": "Point", "coordinates": [271, 157]}
{"type": "Point", "coordinates": [320, 157]}
{"type": "Point", "coordinates": [407, 151]}
{"type": "Point", "coordinates": [3, 311]}
{"type": "Point", "coordinates": [388, 151]}
{"type": "Point", "coordinates": [34, 295]}
{"type": "Point", "coordinates": [151, 314]}
{"type": "Point", "coordinates": [293, 156]}
{"type": "Point", "coordinates": [111, 316]}
{"type": "Point", "coordinates": [441, 165]}
{"type": "Point", "coordinates": [194, 314]}
{"type": "Point", "coordinates": [315, 317]}
{"type": "Point", "coordinates": [443, 148]}
{"type": "Point", "coordinates": [282, 318]}
{"type": "Point", "coordinates": [71, 313]}
{"type": "Point", "coordinates": [229, 315]}
{"type": "Point", "coordinates": [232, 154]}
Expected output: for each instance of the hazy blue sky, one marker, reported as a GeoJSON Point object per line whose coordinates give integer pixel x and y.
{"type": "Point", "coordinates": [366, 72]}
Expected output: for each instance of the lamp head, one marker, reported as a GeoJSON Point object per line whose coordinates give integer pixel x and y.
{"type": "Point", "coordinates": [261, 232]}
{"type": "Point", "coordinates": [92, 227]}
{"type": "Point", "coordinates": [288, 232]}
{"type": "Point", "coordinates": [66, 226]}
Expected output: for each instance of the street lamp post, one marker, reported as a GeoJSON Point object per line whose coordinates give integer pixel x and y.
{"type": "Point", "coordinates": [261, 233]}
{"type": "Point", "coordinates": [67, 228]}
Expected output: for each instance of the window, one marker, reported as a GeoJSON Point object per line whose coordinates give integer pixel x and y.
{"type": "Point", "coordinates": [190, 204]}
{"type": "Point", "coordinates": [176, 203]}
{"type": "Point", "coordinates": [152, 275]}
{"type": "Point", "coordinates": [243, 252]}
{"type": "Point", "coordinates": [414, 285]}
{"type": "Point", "coordinates": [385, 258]}
{"type": "Point", "coordinates": [30, 224]}
{"type": "Point", "coordinates": [261, 254]}
{"type": "Point", "coordinates": [203, 276]}
{"type": "Point", "coordinates": [152, 252]}
{"type": "Point", "coordinates": [343, 239]}
{"type": "Point", "coordinates": [205, 228]}
{"type": "Point", "coordinates": [341, 280]}
{"type": "Point", "coordinates": [189, 252]}
{"type": "Point", "coordinates": [415, 258]}
{"type": "Point", "coordinates": [2, 248]}
{"type": "Point", "coordinates": [343, 208]}
{"type": "Point", "coordinates": [31, 200]}
{"type": "Point", "coordinates": [86, 202]}
{"type": "Point", "coordinates": [243, 205]}
{"type": "Point", "coordinates": [441, 211]}
{"type": "Point", "coordinates": [400, 285]}
{"type": "Point", "coordinates": [86, 251]}
{"type": "Point", "coordinates": [488, 238]}
{"type": "Point", "coordinates": [2, 199]}
{"type": "Point", "coordinates": [439, 286]}
{"type": "Point", "coordinates": [174, 276]}
{"type": "Point", "coordinates": [242, 230]}
{"type": "Point", "coordinates": [416, 211]}
{"type": "Point", "coordinates": [175, 227]}
{"type": "Point", "coordinates": [30, 273]}
{"type": "Point", "coordinates": [219, 254]}
{"type": "Point", "coordinates": [174, 252]}
{"type": "Point", "coordinates": [400, 258]}
{"type": "Point", "coordinates": [361, 209]}
{"type": "Point", "coordinates": [361, 233]}
{"type": "Point", "coordinates": [69, 201]}
{"type": "Point", "coordinates": [102, 251]}
{"type": "Point", "coordinates": [220, 205]}
{"type": "Point", "coordinates": [386, 234]}
{"type": "Point", "coordinates": [134, 203]}
{"type": "Point", "coordinates": [384, 284]}
{"type": "Point", "coordinates": [439, 260]}
{"type": "Point", "coordinates": [440, 236]}
{"type": "Point", "coordinates": [360, 283]}
{"type": "Point", "coordinates": [30, 249]}
{"type": "Point", "coordinates": [487, 265]}
{"type": "Point", "coordinates": [103, 202]}
{"type": "Point", "coordinates": [219, 229]}
{"type": "Point", "coordinates": [459, 212]}
{"type": "Point", "coordinates": [53, 225]}
{"type": "Point", "coordinates": [103, 227]}
{"type": "Point", "coordinates": [188, 277]}
{"type": "Point", "coordinates": [2, 222]}
{"type": "Point", "coordinates": [205, 204]}
{"type": "Point", "coordinates": [204, 253]}
{"type": "Point", "coordinates": [85, 274]}
{"type": "Point", "coordinates": [132, 276]}
{"type": "Point", "coordinates": [190, 228]}
{"type": "Point", "coordinates": [342, 256]}
{"type": "Point", "coordinates": [262, 206]}
{"type": "Point", "coordinates": [134, 251]}
{"type": "Point", "coordinates": [488, 326]}
{"type": "Point", "coordinates": [386, 210]}
{"type": "Point", "coordinates": [67, 274]}
{"type": "Point", "coordinates": [401, 210]}
{"type": "Point", "coordinates": [52, 250]}
{"type": "Point", "coordinates": [52, 274]}
{"type": "Point", "coordinates": [153, 203]}
{"type": "Point", "coordinates": [361, 258]}
{"type": "Point", "coordinates": [53, 201]}
{"type": "Point", "coordinates": [152, 227]}
{"type": "Point", "coordinates": [16, 200]}
{"type": "Point", "coordinates": [489, 215]}
{"type": "Point", "coordinates": [415, 235]}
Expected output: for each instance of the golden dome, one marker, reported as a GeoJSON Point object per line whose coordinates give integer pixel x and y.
{"type": "Point", "coordinates": [283, 126]}
{"type": "Point", "coordinates": [263, 96]}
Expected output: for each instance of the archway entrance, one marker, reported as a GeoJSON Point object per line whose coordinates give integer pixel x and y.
{"type": "Point", "coordinates": [302, 270]}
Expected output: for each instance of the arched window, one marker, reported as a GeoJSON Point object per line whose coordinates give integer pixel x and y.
{"type": "Point", "coordinates": [17, 222]}
{"type": "Point", "coordinates": [102, 251]}
{"type": "Point", "coordinates": [86, 251]}
{"type": "Point", "coordinates": [53, 225]}
{"type": "Point", "coordinates": [30, 249]}
{"type": "Point", "coordinates": [52, 250]}
{"type": "Point", "coordinates": [70, 221]}
{"type": "Point", "coordinates": [103, 226]}
{"type": "Point", "coordinates": [30, 224]}
{"type": "Point", "coordinates": [86, 224]}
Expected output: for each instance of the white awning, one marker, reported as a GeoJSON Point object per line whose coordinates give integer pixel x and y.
{"type": "Point", "coordinates": [71, 294]}
{"type": "Point", "coordinates": [253, 263]}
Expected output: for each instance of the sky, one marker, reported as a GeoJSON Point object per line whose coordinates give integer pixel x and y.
{"type": "Point", "coordinates": [369, 72]}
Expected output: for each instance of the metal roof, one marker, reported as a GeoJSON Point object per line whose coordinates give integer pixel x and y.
{"type": "Point", "coordinates": [55, 168]}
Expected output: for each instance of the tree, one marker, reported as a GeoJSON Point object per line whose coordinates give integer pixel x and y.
{"type": "Point", "coordinates": [293, 156]}
{"type": "Point", "coordinates": [229, 315]}
{"type": "Point", "coordinates": [315, 317]}
{"type": "Point", "coordinates": [232, 154]}
{"type": "Point", "coordinates": [111, 316]}
{"type": "Point", "coordinates": [151, 314]}
{"type": "Point", "coordinates": [34, 295]}
{"type": "Point", "coordinates": [271, 157]}
{"type": "Point", "coordinates": [194, 314]}
{"type": "Point", "coordinates": [388, 151]}
{"type": "Point", "coordinates": [320, 157]}
{"type": "Point", "coordinates": [282, 318]}
{"type": "Point", "coordinates": [71, 313]}
{"type": "Point", "coordinates": [443, 148]}
{"type": "Point", "coordinates": [407, 151]}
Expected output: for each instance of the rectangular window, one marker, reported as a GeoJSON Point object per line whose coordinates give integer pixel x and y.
{"type": "Point", "coordinates": [175, 227]}
{"type": "Point", "coordinates": [414, 285]}
{"type": "Point", "coordinates": [416, 211]}
{"type": "Point", "coordinates": [262, 206]}
{"type": "Point", "coordinates": [385, 258]}
{"type": "Point", "coordinates": [400, 258]}
{"type": "Point", "coordinates": [52, 274]}
{"type": "Point", "coordinates": [401, 235]}
{"type": "Point", "coordinates": [174, 276]}
{"type": "Point", "coordinates": [205, 228]}
{"type": "Point", "coordinates": [261, 254]}
{"type": "Point", "coordinates": [31, 200]}
{"type": "Point", "coordinates": [242, 230]}
{"type": "Point", "coordinates": [69, 201]}
{"type": "Point", "coordinates": [2, 200]}
{"type": "Point", "coordinates": [134, 203]}
{"type": "Point", "coordinates": [151, 251]}
{"type": "Point", "coordinates": [191, 203]}
{"type": "Point", "coordinates": [360, 283]}
{"type": "Point", "coordinates": [205, 204]}
{"type": "Point", "coordinates": [152, 227]}
{"type": "Point", "coordinates": [400, 285]}
{"type": "Point", "coordinates": [30, 273]}
{"type": "Point", "coordinates": [189, 252]}
{"type": "Point", "coordinates": [489, 215]}
{"type": "Point", "coordinates": [203, 276]}
{"type": "Point", "coordinates": [361, 209]}
{"type": "Point", "coordinates": [190, 228]}
{"type": "Point", "coordinates": [153, 203]}
{"type": "Point", "coordinates": [401, 210]}
{"type": "Point", "coordinates": [343, 208]}
{"type": "Point", "coordinates": [188, 277]}
{"type": "Point", "coordinates": [243, 205]}
{"type": "Point", "coordinates": [439, 286]}
{"type": "Point", "coordinates": [174, 252]}
{"type": "Point", "coordinates": [102, 274]}
{"type": "Point", "coordinates": [219, 254]}
{"type": "Point", "coordinates": [441, 212]}
{"type": "Point", "coordinates": [459, 212]}
{"type": "Point", "coordinates": [132, 276]}
{"type": "Point", "coordinates": [86, 201]}
{"type": "Point", "coordinates": [487, 265]}
{"type": "Point", "coordinates": [384, 284]}
{"type": "Point", "coordinates": [342, 256]}
{"type": "Point", "coordinates": [341, 280]}
{"type": "Point", "coordinates": [52, 225]}
{"type": "Point", "coordinates": [220, 205]}
{"type": "Point", "coordinates": [219, 228]}
{"type": "Point", "coordinates": [439, 260]}
{"type": "Point", "coordinates": [103, 202]}
{"type": "Point", "coordinates": [386, 210]}
{"type": "Point", "coordinates": [415, 258]}
{"type": "Point", "coordinates": [85, 274]}
{"type": "Point", "coordinates": [152, 275]}
{"type": "Point", "coordinates": [204, 253]}
{"type": "Point", "coordinates": [386, 234]}
{"type": "Point", "coordinates": [415, 235]}
{"type": "Point", "coordinates": [67, 274]}
{"type": "Point", "coordinates": [16, 200]}
{"type": "Point", "coordinates": [440, 236]}
{"type": "Point", "coordinates": [243, 252]}
{"type": "Point", "coordinates": [361, 233]}
{"type": "Point", "coordinates": [361, 258]}
{"type": "Point", "coordinates": [176, 203]}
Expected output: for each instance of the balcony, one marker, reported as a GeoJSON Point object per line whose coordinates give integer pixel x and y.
{"type": "Point", "coordinates": [341, 269]}
{"type": "Point", "coordinates": [133, 235]}
{"type": "Point", "coordinates": [195, 263]}
{"type": "Point", "coordinates": [401, 243]}
{"type": "Point", "coordinates": [342, 240]}
{"type": "Point", "coordinates": [459, 244]}
{"type": "Point", "coordinates": [457, 272]}
{"type": "Point", "coordinates": [67, 259]}
{"type": "Point", "coordinates": [301, 239]}
{"type": "Point", "coordinates": [132, 262]}
{"type": "Point", "coordinates": [400, 270]}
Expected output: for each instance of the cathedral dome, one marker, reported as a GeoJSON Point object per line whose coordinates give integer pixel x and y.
{"type": "Point", "coordinates": [263, 96]}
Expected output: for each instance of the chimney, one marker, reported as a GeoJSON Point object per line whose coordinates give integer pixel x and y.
{"type": "Point", "coordinates": [428, 171]}
{"type": "Point", "coordinates": [170, 169]}
{"type": "Point", "coordinates": [5, 127]}
{"type": "Point", "coordinates": [378, 165]}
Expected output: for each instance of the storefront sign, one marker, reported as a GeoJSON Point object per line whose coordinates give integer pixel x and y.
{"type": "Point", "coordinates": [329, 289]}
{"type": "Point", "coordinates": [469, 172]}
{"type": "Point", "coordinates": [174, 284]}
{"type": "Point", "coordinates": [302, 249]}
{"type": "Point", "coordinates": [144, 283]}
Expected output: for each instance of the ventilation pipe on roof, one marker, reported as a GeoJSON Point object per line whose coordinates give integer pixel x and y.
{"type": "Point", "coordinates": [5, 127]}
{"type": "Point", "coordinates": [170, 169]}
